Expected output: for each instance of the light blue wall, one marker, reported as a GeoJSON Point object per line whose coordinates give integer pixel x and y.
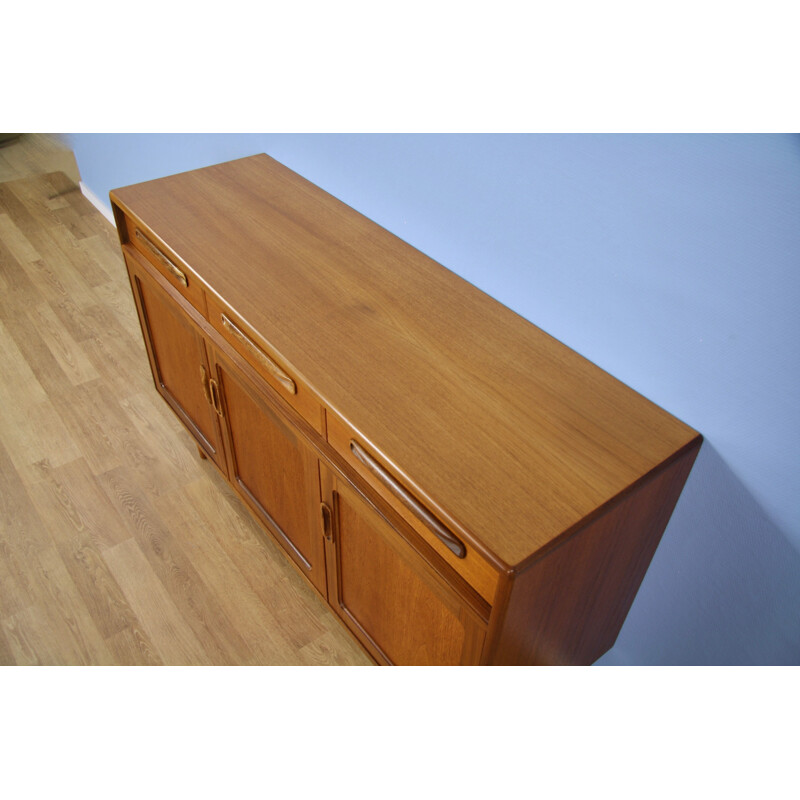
{"type": "Point", "coordinates": [672, 261]}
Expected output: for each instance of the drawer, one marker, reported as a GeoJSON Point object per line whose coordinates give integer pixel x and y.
{"type": "Point", "coordinates": [166, 263]}
{"type": "Point", "coordinates": [266, 361]}
{"type": "Point", "coordinates": [432, 525]}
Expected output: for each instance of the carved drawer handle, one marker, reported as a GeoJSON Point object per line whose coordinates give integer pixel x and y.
{"type": "Point", "coordinates": [262, 357]}
{"type": "Point", "coordinates": [449, 539]}
{"type": "Point", "coordinates": [176, 272]}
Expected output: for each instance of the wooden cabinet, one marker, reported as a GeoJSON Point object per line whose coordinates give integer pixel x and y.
{"type": "Point", "coordinates": [273, 469]}
{"type": "Point", "coordinates": [460, 487]}
{"type": "Point", "coordinates": [178, 359]}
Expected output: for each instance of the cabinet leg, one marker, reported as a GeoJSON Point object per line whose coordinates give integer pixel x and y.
{"type": "Point", "coordinates": [201, 453]}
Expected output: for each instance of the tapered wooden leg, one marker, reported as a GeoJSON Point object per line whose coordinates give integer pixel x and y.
{"type": "Point", "coordinates": [201, 453]}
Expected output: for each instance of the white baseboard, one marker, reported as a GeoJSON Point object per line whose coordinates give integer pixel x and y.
{"type": "Point", "coordinates": [103, 208]}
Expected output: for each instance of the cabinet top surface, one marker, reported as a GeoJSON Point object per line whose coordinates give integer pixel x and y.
{"type": "Point", "coordinates": [510, 432]}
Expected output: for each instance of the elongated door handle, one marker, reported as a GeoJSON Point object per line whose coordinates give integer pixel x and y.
{"type": "Point", "coordinates": [447, 537]}
{"type": "Point", "coordinates": [327, 521]}
{"type": "Point", "coordinates": [204, 381]}
{"type": "Point", "coordinates": [174, 270]}
{"type": "Point", "coordinates": [215, 398]}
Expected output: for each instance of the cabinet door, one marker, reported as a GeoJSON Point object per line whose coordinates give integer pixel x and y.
{"type": "Point", "coordinates": [396, 604]}
{"type": "Point", "coordinates": [273, 469]}
{"type": "Point", "coordinates": [178, 360]}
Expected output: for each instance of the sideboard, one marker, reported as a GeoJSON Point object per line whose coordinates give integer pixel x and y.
{"type": "Point", "coordinates": [458, 486]}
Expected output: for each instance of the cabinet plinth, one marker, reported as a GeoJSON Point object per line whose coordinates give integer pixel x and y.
{"type": "Point", "coordinates": [459, 486]}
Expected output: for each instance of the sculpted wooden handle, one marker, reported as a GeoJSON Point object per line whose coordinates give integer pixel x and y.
{"type": "Point", "coordinates": [449, 539]}
{"type": "Point", "coordinates": [176, 272]}
{"type": "Point", "coordinates": [262, 357]}
{"type": "Point", "coordinates": [204, 381]}
{"type": "Point", "coordinates": [327, 521]}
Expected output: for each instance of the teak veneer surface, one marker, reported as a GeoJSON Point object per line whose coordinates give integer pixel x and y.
{"type": "Point", "coordinates": [507, 430]}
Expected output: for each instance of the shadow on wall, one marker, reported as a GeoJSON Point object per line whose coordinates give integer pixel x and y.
{"type": "Point", "coordinates": [731, 576]}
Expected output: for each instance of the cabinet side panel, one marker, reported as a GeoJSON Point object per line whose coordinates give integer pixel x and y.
{"type": "Point", "coordinates": [568, 606]}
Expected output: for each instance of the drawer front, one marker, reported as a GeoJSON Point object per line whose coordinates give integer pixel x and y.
{"type": "Point", "coordinates": [266, 362]}
{"type": "Point", "coordinates": [167, 263]}
{"type": "Point", "coordinates": [442, 535]}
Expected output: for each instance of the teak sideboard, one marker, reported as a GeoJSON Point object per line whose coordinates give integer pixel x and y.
{"type": "Point", "coordinates": [457, 485]}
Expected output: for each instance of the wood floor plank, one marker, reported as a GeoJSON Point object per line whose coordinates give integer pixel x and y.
{"type": "Point", "coordinates": [53, 277]}
{"type": "Point", "coordinates": [153, 421]}
{"type": "Point", "coordinates": [70, 219]}
{"type": "Point", "coordinates": [37, 593]}
{"type": "Point", "coordinates": [17, 373]}
{"type": "Point", "coordinates": [121, 360]}
{"type": "Point", "coordinates": [98, 589]}
{"type": "Point", "coordinates": [33, 430]}
{"type": "Point", "coordinates": [200, 608]}
{"type": "Point", "coordinates": [67, 617]}
{"type": "Point", "coordinates": [39, 358]}
{"type": "Point", "coordinates": [171, 636]}
{"type": "Point", "coordinates": [69, 356]}
{"type": "Point", "coordinates": [104, 264]}
{"type": "Point", "coordinates": [100, 226]}
{"type": "Point", "coordinates": [82, 253]}
{"type": "Point", "coordinates": [69, 500]}
{"type": "Point", "coordinates": [92, 416]}
{"type": "Point", "coordinates": [16, 242]}
{"type": "Point", "coordinates": [34, 195]}
{"type": "Point", "coordinates": [245, 611]}
{"type": "Point", "coordinates": [22, 536]}
{"type": "Point", "coordinates": [73, 319]}
{"type": "Point", "coordinates": [117, 298]}
{"type": "Point", "coordinates": [15, 280]}
{"type": "Point", "coordinates": [27, 644]}
{"type": "Point", "coordinates": [154, 471]}
{"type": "Point", "coordinates": [57, 627]}
{"type": "Point", "coordinates": [7, 657]}
{"type": "Point", "coordinates": [132, 647]}
{"type": "Point", "coordinates": [33, 229]}
{"type": "Point", "coordinates": [328, 649]}
{"type": "Point", "coordinates": [13, 597]}
{"type": "Point", "coordinates": [60, 190]}
{"type": "Point", "coordinates": [10, 204]}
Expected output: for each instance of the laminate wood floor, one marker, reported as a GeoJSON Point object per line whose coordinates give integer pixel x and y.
{"type": "Point", "coordinates": [118, 545]}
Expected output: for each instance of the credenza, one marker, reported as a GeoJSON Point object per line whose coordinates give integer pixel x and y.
{"type": "Point", "coordinates": [458, 486]}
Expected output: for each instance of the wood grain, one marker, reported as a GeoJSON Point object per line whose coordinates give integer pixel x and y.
{"type": "Point", "coordinates": [154, 606]}
{"type": "Point", "coordinates": [568, 605]}
{"type": "Point", "coordinates": [451, 381]}
{"type": "Point", "coordinates": [100, 562]}
{"type": "Point", "coordinates": [406, 615]}
{"type": "Point", "coordinates": [275, 472]}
